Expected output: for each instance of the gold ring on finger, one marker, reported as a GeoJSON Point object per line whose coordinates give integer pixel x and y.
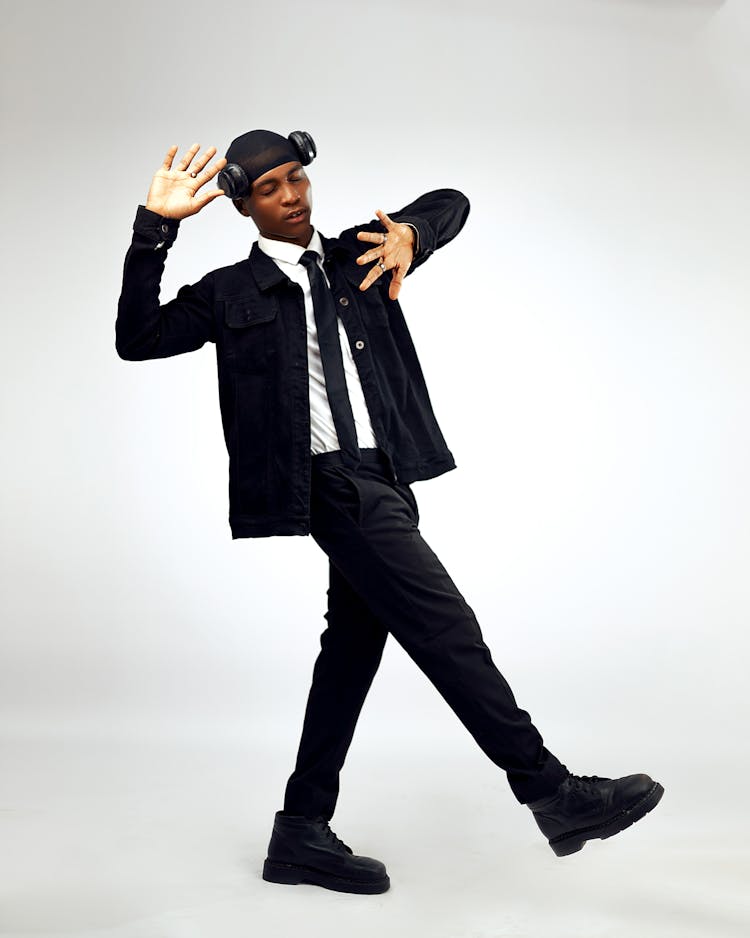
{"type": "Point", "coordinates": [381, 265]}
{"type": "Point", "coordinates": [193, 175]}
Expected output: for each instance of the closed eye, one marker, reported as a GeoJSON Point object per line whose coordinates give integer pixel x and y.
{"type": "Point", "coordinates": [290, 178]}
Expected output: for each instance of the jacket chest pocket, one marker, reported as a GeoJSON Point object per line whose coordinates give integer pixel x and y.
{"type": "Point", "coordinates": [249, 327]}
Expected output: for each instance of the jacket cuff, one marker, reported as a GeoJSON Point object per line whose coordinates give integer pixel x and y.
{"type": "Point", "coordinates": [162, 231]}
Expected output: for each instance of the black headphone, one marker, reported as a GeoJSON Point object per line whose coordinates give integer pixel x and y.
{"type": "Point", "coordinates": [233, 178]}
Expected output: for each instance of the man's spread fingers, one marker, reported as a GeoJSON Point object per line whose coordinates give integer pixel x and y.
{"type": "Point", "coordinates": [385, 219]}
{"type": "Point", "coordinates": [371, 277]}
{"type": "Point", "coordinates": [375, 236]}
{"type": "Point", "coordinates": [201, 162]}
{"type": "Point", "coordinates": [209, 197]}
{"type": "Point", "coordinates": [185, 161]}
{"type": "Point", "coordinates": [167, 164]}
{"type": "Point", "coordinates": [372, 255]}
{"type": "Point", "coordinates": [213, 170]}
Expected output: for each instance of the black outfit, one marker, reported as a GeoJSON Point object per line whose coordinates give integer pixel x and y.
{"type": "Point", "coordinates": [255, 315]}
{"type": "Point", "coordinates": [385, 578]}
{"type": "Point", "coordinates": [383, 575]}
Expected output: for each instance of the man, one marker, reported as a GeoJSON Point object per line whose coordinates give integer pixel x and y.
{"type": "Point", "coordinates": [327, 421]}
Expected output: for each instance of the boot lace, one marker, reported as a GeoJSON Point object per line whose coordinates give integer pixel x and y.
{"type": "Point", "coordinates": [329, 834]}
{"type": "Point", "coordinates": [585, 782]}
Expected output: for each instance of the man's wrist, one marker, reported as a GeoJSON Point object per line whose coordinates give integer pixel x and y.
{"type": "Point", "coordinates": [153, 225]}
{"type": "Point", "coordinates": [414, 238]}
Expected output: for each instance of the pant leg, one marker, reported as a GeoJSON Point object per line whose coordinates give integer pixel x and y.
{"type": "Point", "coordinates": [367, 525]}
{"type": "Point", "coordinates": [351, 651]}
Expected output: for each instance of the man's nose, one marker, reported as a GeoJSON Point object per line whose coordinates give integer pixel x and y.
{"type": "Point", "coordinates": [289, 194]}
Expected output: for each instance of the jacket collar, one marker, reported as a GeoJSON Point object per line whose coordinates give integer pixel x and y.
{"type": "Point", "coordinates": [335, 249]}
{"type": "Point", "coordinates": [268, 274]}
{"type": "Point", "coordinates": [266, 271]}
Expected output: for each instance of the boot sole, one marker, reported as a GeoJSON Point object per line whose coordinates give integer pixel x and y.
{"type": "Point", "coordinates": [293, 875]}
{"type": "Point", "coordinates": [573, 841]}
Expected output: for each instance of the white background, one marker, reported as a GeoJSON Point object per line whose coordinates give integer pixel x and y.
{"type": "Point", "coordinates": [585, 343]}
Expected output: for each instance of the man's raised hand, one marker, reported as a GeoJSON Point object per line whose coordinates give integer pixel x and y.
{"type": "Point", "coordinates": [395, 250]}
{"type": "Point", "coordinates": [172, 192]}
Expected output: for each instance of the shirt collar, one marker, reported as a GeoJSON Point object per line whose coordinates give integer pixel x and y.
{"type": "Point", "coordinates": [288, 252]}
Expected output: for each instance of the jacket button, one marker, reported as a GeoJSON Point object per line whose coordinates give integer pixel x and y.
{"type": "Point", "coordinates": [344, 301]}
{"type": "Point", "coordinates": [165, 228]}
{"type": "Point", "coordinates": [359, 343]}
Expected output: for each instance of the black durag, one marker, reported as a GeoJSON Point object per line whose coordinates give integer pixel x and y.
{"type": "Point", "coordinates": [258, 151]}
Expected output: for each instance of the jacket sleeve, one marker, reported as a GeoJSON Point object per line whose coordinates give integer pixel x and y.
{"type": "Point", "coordinates": [145, 329]}
{"type": "Point", "coordinates": [437, 216]}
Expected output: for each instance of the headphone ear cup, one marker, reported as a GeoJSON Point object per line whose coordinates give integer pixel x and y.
{"type": "Point", "coordinates": [233, 180]}
{"type": "Point", "coordinates": [304, 144]}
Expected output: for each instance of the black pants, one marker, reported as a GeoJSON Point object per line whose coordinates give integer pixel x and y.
{"type": "Point", "coordinates": [385, 578]}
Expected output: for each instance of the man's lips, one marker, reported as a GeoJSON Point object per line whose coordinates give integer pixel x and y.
{"type": "Point", "coordinates": [296, 215]}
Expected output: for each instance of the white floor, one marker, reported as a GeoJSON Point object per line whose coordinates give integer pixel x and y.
{"type": "Point", "coordinates": [148, 837]}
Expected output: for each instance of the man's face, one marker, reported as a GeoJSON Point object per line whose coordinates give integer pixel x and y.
{"type": "Point", "coordinates": [277, 195]}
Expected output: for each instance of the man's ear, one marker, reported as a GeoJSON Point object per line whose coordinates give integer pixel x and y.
{"type": "Point", "coordinates": [239, 204]}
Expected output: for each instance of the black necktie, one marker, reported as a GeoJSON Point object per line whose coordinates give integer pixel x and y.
{"type": "Point", "coordinates": [326, 322]}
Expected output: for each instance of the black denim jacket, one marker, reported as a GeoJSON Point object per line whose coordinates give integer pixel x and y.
{"type": "Point", "coordinates": [255, 315]}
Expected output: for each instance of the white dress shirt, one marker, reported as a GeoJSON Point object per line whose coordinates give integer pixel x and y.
{"type": "Point", "coordinates": [323, 436]}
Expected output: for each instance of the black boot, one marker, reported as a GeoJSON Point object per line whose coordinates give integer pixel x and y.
{"type": "Point", "coordinates": [586, 807]}
{"type": "Point", "coordinates": [305, 850]}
